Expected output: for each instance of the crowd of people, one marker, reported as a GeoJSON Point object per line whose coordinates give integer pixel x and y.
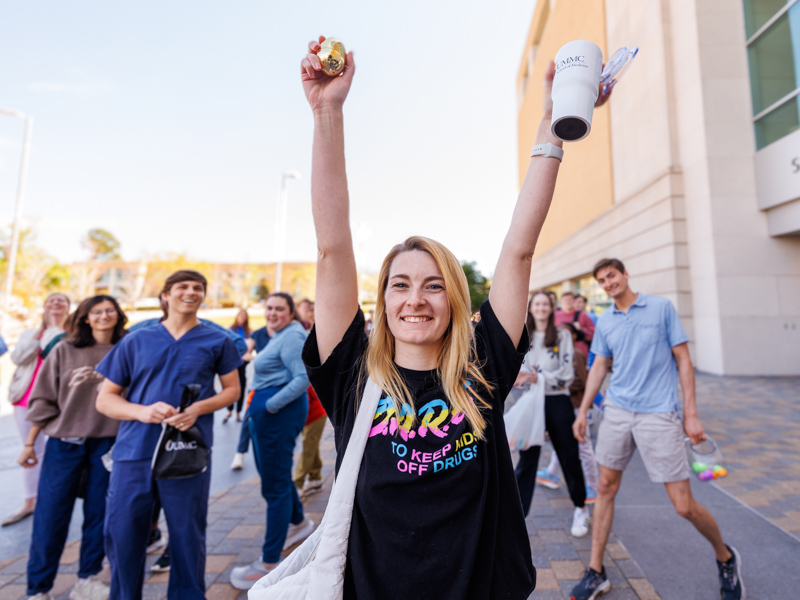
{"type": "Point", "coordinates": [438, 507]}
{"type": "Point", "coordinates": [90, 397]}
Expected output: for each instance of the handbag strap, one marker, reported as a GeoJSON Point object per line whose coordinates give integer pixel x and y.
{"type": "Point", "coordinates": [191, 392]}
{"type": "Point", "coordinates": [339, 514]}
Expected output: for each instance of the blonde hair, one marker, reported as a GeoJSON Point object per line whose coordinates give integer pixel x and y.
{"type": "Point", "coordinates": [457, 366]}
{"type": "Point", "coordinates": [43, 326]}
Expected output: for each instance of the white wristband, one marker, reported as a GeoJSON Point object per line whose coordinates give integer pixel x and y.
{"type": "Point", "coordinates": [550, 150]}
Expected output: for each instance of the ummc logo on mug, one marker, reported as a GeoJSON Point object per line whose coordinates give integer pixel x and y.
{"type": "Point", "coordinates": [172, 446]}
{"type": "Point", "coordinates": [572, 60]}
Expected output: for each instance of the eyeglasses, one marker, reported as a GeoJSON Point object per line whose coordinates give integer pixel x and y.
{"type": "Point", "coordinates": [100, 312]}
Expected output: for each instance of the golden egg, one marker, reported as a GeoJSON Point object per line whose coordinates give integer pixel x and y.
{"type": "Point", "coordinates": [332, 56]}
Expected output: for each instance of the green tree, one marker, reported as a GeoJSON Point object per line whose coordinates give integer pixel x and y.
{"type": "Point", "coordinates": [102, 245]}
{"type": "Point", "coordinates": [36, 273]}
{"type": "Point", "coordinates": [478, 285]}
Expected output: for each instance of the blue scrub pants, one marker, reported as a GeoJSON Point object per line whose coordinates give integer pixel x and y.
{"type": "Point", "coordinates": [59, 483]}
{"type": "Point", "coordinates": [129, 512]}
{"type": "Point", "coordinates": [273, 445]}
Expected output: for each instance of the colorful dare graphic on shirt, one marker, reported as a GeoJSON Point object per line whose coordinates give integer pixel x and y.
{"type": "Point", "coordinates": [436, 442]}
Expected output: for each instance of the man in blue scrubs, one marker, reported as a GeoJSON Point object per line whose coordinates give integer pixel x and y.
{"type": "Point", "coordinates": [155, 364]}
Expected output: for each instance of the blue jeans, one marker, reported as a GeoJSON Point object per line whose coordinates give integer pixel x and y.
{"type": "Point", "coordinates": [273, 445]}
{"type": "Point", "coordinates": [62, 468]}
{"type": "Point", "coordinates": [129, 514]}
{"type": "Point", "coordinates": [244, 436]}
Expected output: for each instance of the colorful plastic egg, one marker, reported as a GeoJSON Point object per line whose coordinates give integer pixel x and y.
{"type": "Point", "coordinates": [706, 475]}
{"type": "Point", "coordinates": [699, 467]}
{"type": "Point", "coordinates": [720, 471]}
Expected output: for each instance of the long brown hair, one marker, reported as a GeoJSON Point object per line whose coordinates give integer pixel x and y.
{"type": "Point", "coordinates": [245, 326]}
{"type": "Point", "coordinates": [79, 332]}
{"type": "Point", "coordinates": [457, 367]}
{"type": "Point", "coordinates": [550, 332]}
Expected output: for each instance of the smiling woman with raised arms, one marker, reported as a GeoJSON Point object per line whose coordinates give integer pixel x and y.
{"type": "Point", "coordinates": [436, 512]}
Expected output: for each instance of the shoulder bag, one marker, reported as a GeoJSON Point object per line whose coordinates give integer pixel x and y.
{"type": "Point", "coordinates": [315, 570]}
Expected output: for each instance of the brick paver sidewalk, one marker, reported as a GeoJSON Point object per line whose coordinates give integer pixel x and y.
{"type": "Point", "coordinates": [236, 523]}
{"type": "Point", "coordinates": [755, 420]}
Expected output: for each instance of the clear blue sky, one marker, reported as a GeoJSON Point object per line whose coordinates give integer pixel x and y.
{"type": "Point", "coordinates": [169, 123]}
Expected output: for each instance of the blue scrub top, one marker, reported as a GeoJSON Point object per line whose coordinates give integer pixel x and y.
{"type": "Point", "coordinates": [261, 338]}
{"type": "Point", "coordinates": [155, 367]}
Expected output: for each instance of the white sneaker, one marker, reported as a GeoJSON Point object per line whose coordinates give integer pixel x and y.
{"type": "Point", "coordinates": [90, 588]}
{"type": "Point", "coordinates": [312, 486]}
{"type": "Point", "coordinates": [238, 462]}
{"type": "Point", "coordinates": [243, 578]}
{"type": "Point", "coordinates": [297, 533]}
{"type": "Point", "coordinates": [580, 522]}
{"type": "Point", "coordinates": [41, 596]}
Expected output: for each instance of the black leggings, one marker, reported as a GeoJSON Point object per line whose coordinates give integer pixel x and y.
{"type": "Point", "coordinates": [558, 419]}
{"type": "Point", "coordinates": [242, 384]}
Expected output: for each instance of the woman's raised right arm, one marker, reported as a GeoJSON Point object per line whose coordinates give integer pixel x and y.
{"type": "Point", "coordinates": [336, 299]}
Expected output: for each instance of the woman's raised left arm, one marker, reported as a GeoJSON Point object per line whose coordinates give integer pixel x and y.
{"type": "Point", "coordinates": [509, 292]}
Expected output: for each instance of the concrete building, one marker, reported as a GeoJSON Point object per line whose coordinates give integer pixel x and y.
{"type": "Point", "coordinates": [691, 173]}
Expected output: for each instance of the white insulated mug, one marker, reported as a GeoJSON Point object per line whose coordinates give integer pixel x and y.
{"type": "Point", "coordinates": [575, 89]}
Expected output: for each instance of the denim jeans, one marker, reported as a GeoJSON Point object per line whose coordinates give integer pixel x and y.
{"type": "Point", "coordinates": [63, 467]}
{"type": "Point", "coordinates": [273, 445]}
{"type": "Point", "coordinates": [244, 435]}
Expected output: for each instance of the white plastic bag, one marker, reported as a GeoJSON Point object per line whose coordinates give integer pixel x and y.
{"type": "Point", "coordinates": [525, 420]}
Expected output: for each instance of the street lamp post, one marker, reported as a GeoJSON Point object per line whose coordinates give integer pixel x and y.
{"type": "Point", "coordinates": [23, 169]}
{"type": "Point", "coordinates": [280, 225]}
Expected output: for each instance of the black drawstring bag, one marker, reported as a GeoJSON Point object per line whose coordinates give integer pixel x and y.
{"type": "Point", "coordinates": [180, 454]}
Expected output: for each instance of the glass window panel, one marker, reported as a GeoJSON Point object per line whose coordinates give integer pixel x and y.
{"type": "Point", "coordinates": [794, 28]}
{"type": "Point", "coordinates": [758, 12]}
{"type": "Point", "coordinates": [773, 59]}
{"type": "Point", "coordinates": [780, 122]}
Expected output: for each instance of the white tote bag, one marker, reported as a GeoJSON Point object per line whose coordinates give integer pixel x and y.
{"type": "Point", "coordinates": [315, 570]}
{"type": "Point", "coordinates": [525, 420]}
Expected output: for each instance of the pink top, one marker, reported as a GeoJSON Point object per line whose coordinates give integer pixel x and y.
{"type": "Point", "coordinates": [586, 326]}
{"type": "Point", "coordinates": [24, 400]}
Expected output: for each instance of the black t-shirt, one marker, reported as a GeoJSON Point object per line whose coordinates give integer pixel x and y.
{"type": "Point", "coordinates": [437, 512]}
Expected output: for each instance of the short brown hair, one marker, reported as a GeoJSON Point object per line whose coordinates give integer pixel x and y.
{"type": "Point", "coordinates": [567, 294]}
{"type": "Point", "coordinates": [177, 277]}
{"type": "Point", "coordinates": [183, 275]}
{"type": "Point", "coordinates": [604, 263]}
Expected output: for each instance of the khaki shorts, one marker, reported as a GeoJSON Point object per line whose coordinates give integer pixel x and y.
{"type": "Point", "coordinates": [658, 436]}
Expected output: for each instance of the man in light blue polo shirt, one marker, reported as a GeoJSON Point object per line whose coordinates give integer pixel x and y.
{"type": "Point", "coordinates": [643, 336]}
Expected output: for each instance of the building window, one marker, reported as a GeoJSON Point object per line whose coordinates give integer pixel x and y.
{"type": "Point", "coordinates": [773, 49]}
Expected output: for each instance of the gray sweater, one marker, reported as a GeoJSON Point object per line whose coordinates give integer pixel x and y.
{"type": "Point", "coordinates": [63, 398]}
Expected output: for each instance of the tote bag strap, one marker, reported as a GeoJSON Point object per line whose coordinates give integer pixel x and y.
{"type": "Point", "coordinates": [331, 553]}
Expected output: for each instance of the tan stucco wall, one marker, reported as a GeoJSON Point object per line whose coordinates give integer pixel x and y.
{"type": "Point", "coordinates": [584, 188]}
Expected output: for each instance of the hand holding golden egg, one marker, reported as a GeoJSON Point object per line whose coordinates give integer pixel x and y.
{"type": "Point", "coordinates": [332, 56]}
